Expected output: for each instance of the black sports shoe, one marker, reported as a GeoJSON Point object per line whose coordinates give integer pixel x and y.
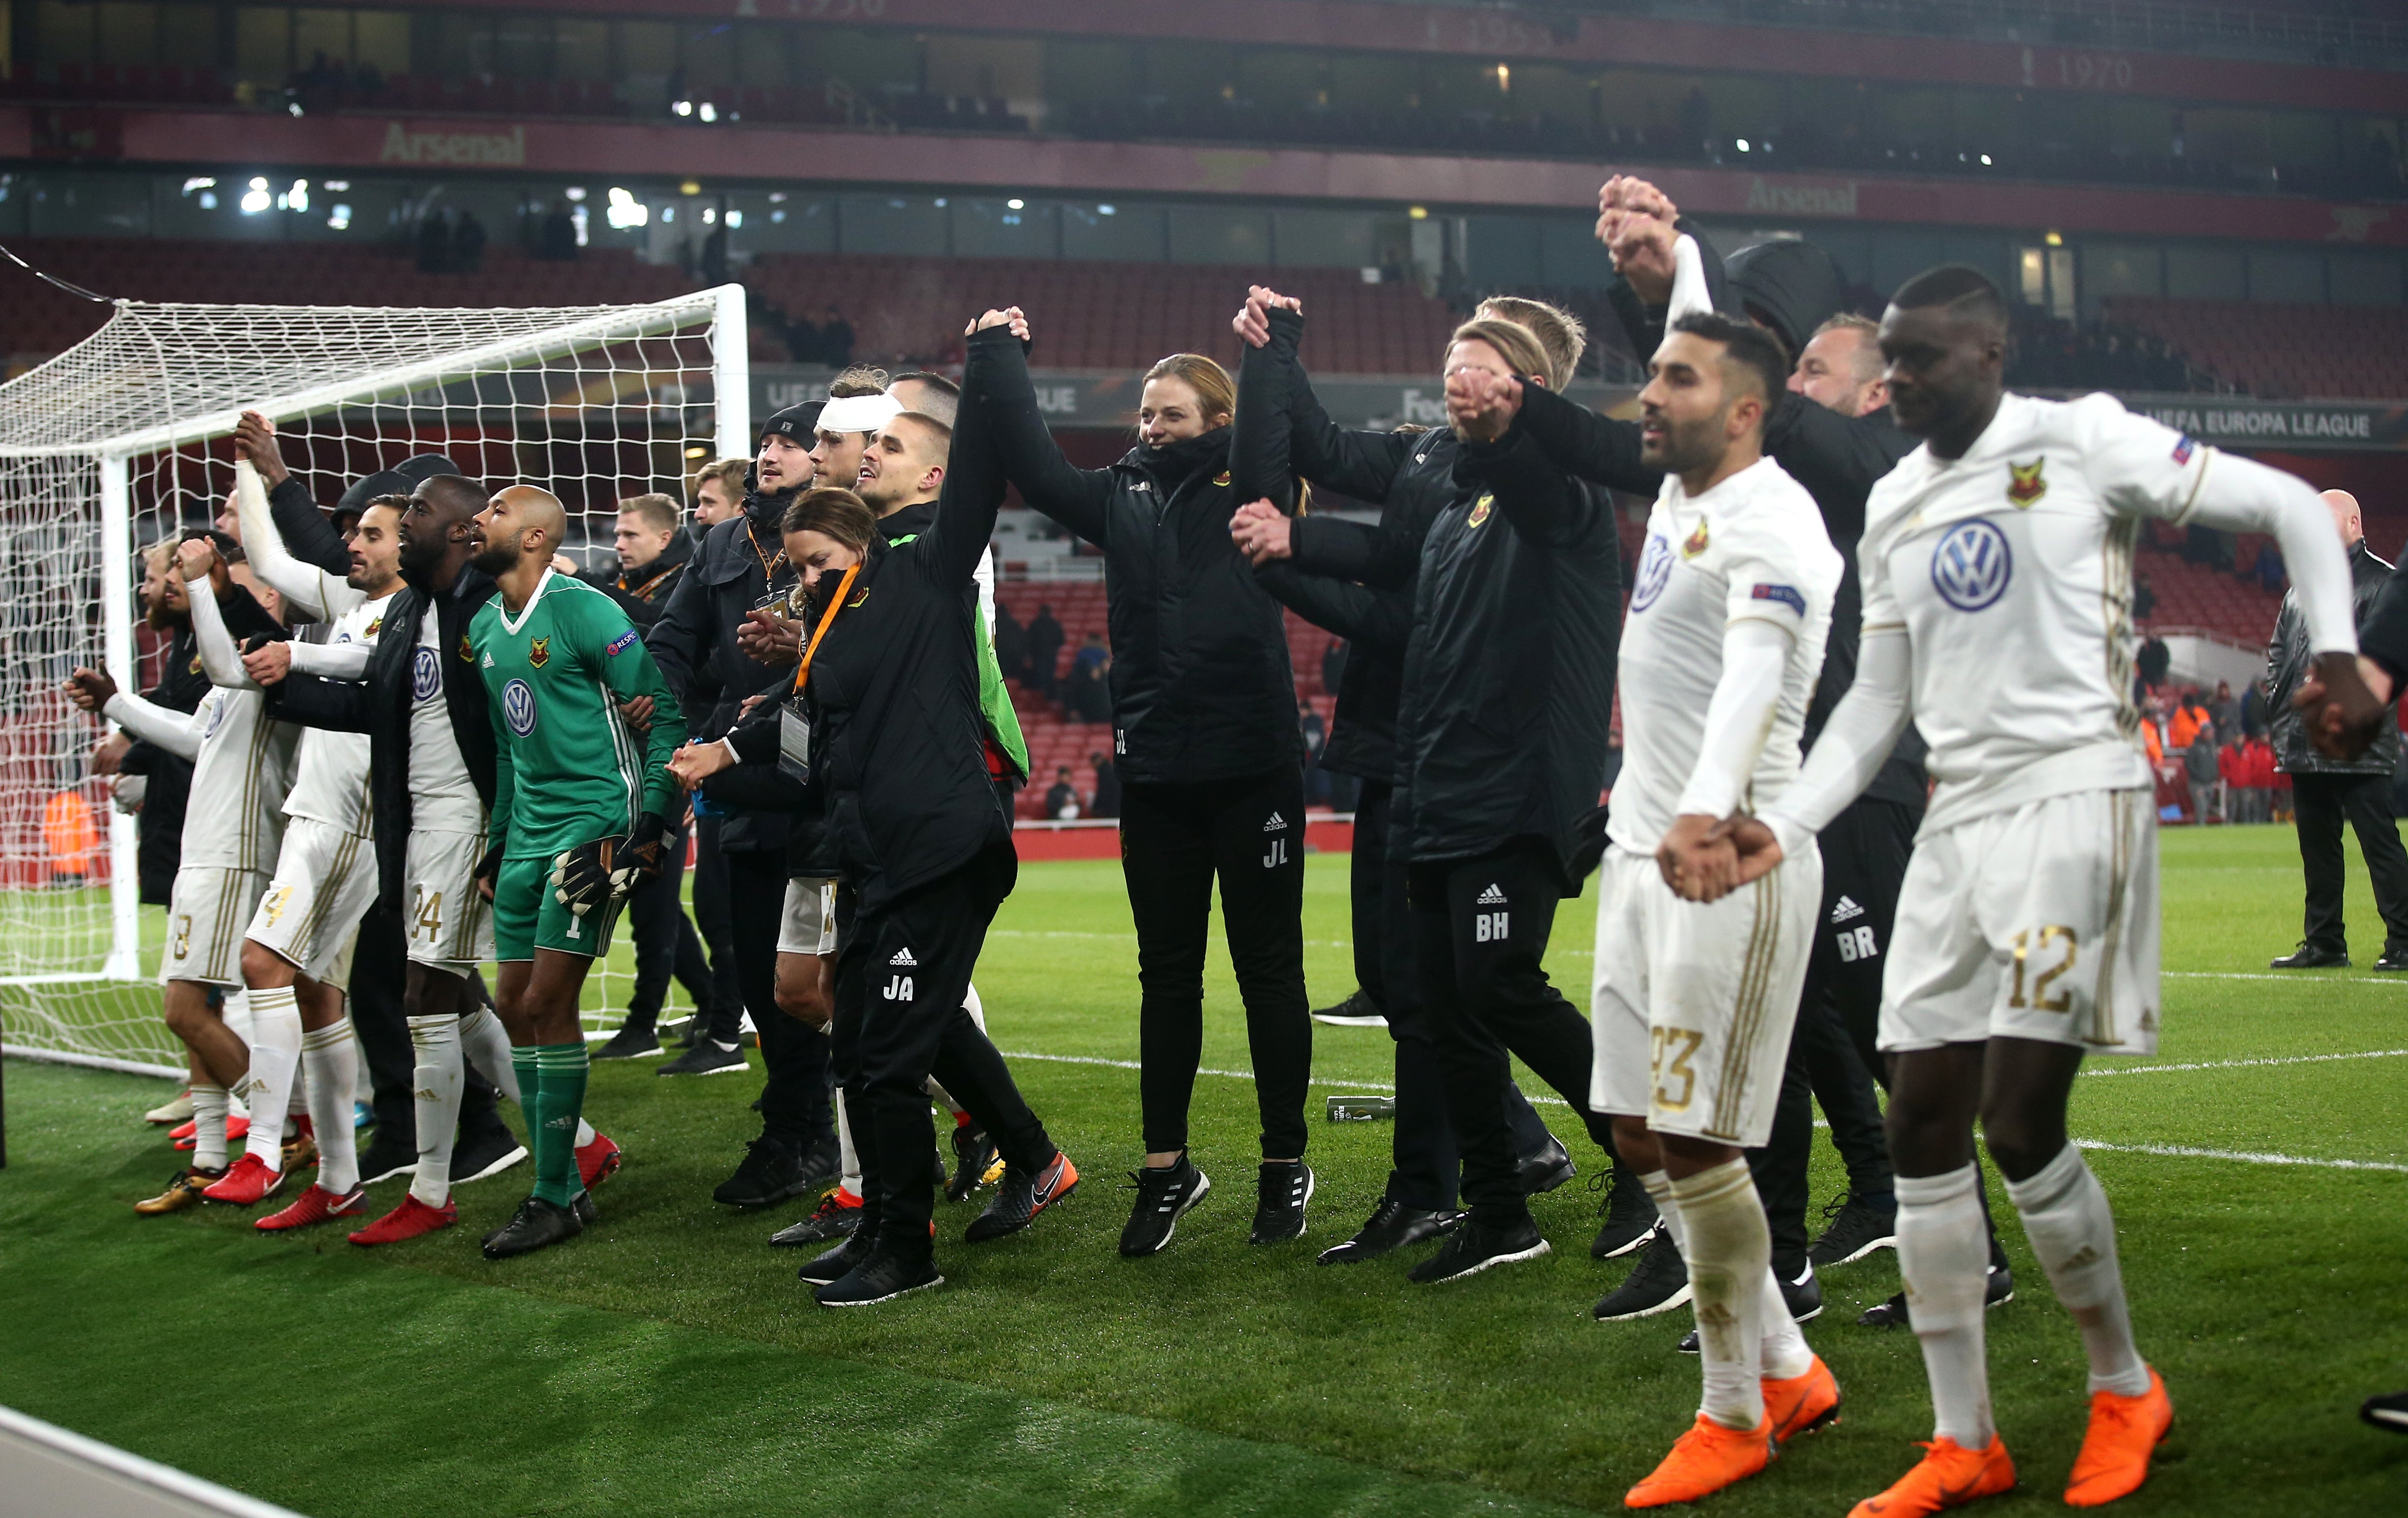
{"type": "Point", "coordinates": [822, 1162]}
{"type": "Point", "coordinates": [858, 1246]}
{"type": "Point", "coordinates": [1803, 1297]}
{"type": "Point", "coordinates": [2389, 1413]}
{"type": "Point", "coordinates": [539, 1224]}
{"type": "Point", "coordinates": [1856, 1228]}
{"type": "Point", "coordinates": [1475, 1246]}
{"type": "Point", "coordinates": [478, 1156]}
{"type": "Point", "coordinates": [1282, 1189]}
{"type": "Point", "coordinates": [770, 1173]}
{"type": "Point", "coordinates": [1358, 1010]}
{"type": "Point", "coordinates": [830, 1220]}
{"type": "Point", "coordinates": [630, 1042]}
{"type": "Point", "coordinates": [1020, 1197]}
{"type": "Point", "coordinates": [389, 1154]}
{"type": "Point", "coordinates": [1163, 1196]}
{"type": "Point", "coordinates": [1658, 1283]}
{"type": "Point", "coordinates": [583, 1208]}
{"type": "Point", "coordinates": [2307, 956]}
{"type": "Point", "coordinates": [2395, 959]}
{"type": "Point", "coordinates": [1391, 1226]}
{"type": "Point", "coordinates": [705, 1056]}
{"type": "Point", "coordinates": [974, 1155]}
{"type": "Point", "coordinates": [1996, 1292]}
{"type": "Point", "coordinates": [881, 1278]}
{"type": "Point", "coordinates": [1545, 1169]}
{"type": "Point", "coordinates": [1631, 1216]}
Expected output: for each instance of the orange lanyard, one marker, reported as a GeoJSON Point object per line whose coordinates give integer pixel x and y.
{"type": "Point", "coordinates": [803, 671]}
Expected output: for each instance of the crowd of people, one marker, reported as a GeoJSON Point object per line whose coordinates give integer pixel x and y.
{"type": "Point", "coordinates": [1882, 819]}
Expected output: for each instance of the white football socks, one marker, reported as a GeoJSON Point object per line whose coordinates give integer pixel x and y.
{"type": "Point", "coordinates": [434, 1085]}
{"type": "Point", "coordinates": [2073, 1231]}
{"type": "Point", "coordinates": [1787, 1353]}
{"type": "Point", "coordinates": [1658, 1185]}
{"type": "Point", "coordinates": [1730, 1252]}
{"type": "Point", "coordinates": [330, 1060]}
{"type": "Point", "coordinates": [275, 1058]}
{"type": "Point", "coordinates": [848, 1162]}
{"type": "Point", "coordinates": [1943, 1252]}
{"type": "Point", "coordinates": [208, 1127]}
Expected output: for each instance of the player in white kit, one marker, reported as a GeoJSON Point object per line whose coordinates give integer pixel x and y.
{"type": "Point", "coordinates": [325, 876]}
{"type": "Point", "coordinates": [242, 765]}
{"type": "Point", "coordinates": [1692, 1004]}
{"type": "Point", "coordinates": [1997, 567]}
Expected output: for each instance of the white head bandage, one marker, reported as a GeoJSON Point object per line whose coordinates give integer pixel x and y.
{"type": "Point", "coordinates": [859, 413]}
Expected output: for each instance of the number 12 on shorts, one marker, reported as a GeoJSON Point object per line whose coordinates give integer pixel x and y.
{"type": "Point", "coordinates": [2026, 945]}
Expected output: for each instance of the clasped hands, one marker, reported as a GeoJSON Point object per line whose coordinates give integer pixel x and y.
{"type": "Point", "coordinates": [1705, 859]}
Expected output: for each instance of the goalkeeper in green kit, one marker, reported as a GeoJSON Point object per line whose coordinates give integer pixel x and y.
{"type": "Point", "coordinates": [582, 808]}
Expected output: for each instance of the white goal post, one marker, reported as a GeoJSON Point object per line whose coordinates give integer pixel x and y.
{"type": "Point", "coordinates": [125, 439]}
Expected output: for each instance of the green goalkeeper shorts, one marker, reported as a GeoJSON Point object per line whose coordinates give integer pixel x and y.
{"type": "Point", "coordinates": [527, 916]}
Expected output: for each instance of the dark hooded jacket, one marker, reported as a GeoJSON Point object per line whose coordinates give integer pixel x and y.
{"type": "Point", "coordinates": [2287, 661]}
{"type": "Point", "coordinates": [167, 777]}
{"type": "Point", "coordinates": [642, 593]}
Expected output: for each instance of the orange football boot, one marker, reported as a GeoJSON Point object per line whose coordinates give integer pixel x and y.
{"type": "Point", "coordinates": [1802, 1403]}
{"type": "Point", "coordinates": [1703, 1461]}
{"type": "Point", "coordinates": [1948, 1476]}
{"type": "Point", "coordinates": [2124, 1432]}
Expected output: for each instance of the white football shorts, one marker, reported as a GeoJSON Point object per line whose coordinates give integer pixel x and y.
{"type": "Point", "coordinates": [325, 880]}
{"type": "Point", "coordinates": [449, 923]}
{"type": "Point", "coordinates": [206, 912]}
{"type": "Point", "coordinates": [810, 924]}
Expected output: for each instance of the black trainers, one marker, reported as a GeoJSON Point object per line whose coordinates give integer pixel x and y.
{"type": "Point", "coordinates": [974, 1155]}
{"type": "Point", "coordinates": [1631, 1216]}
{"type": "Point", "coordinates": [389, 1154]}
{"type": "Point", "coordinates": [822, 1161]}
{"type": "Point", "coordinates": [1658, 1283]}
{"type": "Point", "coordinates": [1391, 1226]}
{"type": "Point", "coordinates": [833, 1218]}
{"type": "Point", "coordinates": [478, 1156]}
{"type": "Point", "coordinates": [770, 1173]}
{"type": "Point", "coordinates": [1358, 1011]}
{"type": "Point", "coordinates": [1856, 1228]}
{"type": "Point", "coordinates": [705, 1056]}
{"type": "Point", "coordinates": [1543, 1170]}
{"type": "Point", "coordinates": [881, 1278]}
{"type": "Point", "coordinates": [1020, 1197]}
{"type": "Point", "coordinates": [2389, 1413]}
{"type": "Point", "coordinates": [858, 1246]}
{"type": "Point", "coordinates": [630, 1042]}
{"type": "Point", "coordinates": [1474, 1246]}
{"type": "Point", "coordinates": [2394, 960]}
{"type": "Point", "coordinates": [1803, 1296]}
{"type": "Point", "coordinates": [1163, 1196]}
{"type": "Point", "coordinates": [537, 1224]}
{"type": "Point", "coordinates": [1998, 1291]}
{"type": "Point", "coordinates": [1283, 1188]}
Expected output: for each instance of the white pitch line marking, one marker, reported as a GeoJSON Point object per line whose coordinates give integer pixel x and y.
{"type": "Point", "coordinates": [2241, 1156]}
{"type": "Point", "coordinates": [2243, 1064]}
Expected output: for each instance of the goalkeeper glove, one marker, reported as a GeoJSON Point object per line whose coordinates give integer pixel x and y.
{"type": "Point", "coordinates": [582, 877]}
{"type": "Point", "coordinates": [643, 856]}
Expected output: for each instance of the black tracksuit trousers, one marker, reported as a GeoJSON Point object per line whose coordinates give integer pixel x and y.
{"type": "Point", "coordinates": [796, 1109]}
{"type": "Point", "coordinates": [1423, 1149]}
{"type": "Point", "coordinates": [902, 973]}
{"type": "Point", "coordinates": [714, 919]}
{"type": "Point", "coordinates": [382, 1023]}
{"type": "Point", "coordinates": [1175, 840]}
{"type": "Point", "coordinates": [2322, 803]}
{"type": "Point", "coordinates": [1480, 927]}
{"type": "Point", "coordinates": [667, 944]}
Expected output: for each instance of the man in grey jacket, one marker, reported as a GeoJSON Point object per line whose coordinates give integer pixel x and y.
{"type": "Point", "coordinates": [2325, 790]}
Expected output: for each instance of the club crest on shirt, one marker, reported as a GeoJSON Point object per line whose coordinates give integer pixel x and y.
{"type": "Point", "coordinates": [540, 652]}
{"type": "Point", "coordinates": [468, 655]}
{"type": "Point", "coordinates": [195, 667]}
{"type": "Point", "coordinates": [1481, 507]}
{"type": "Point", "coordinates": [1695, 543]}
{"type": "Point", "coordinates": [518, 706]}
{"type": "Point", "coordinates": [2025, 485]}
{"type": "Point", "coordinates": [1222, 478]}
{"type": "Point", "coordinates": [376, 624]}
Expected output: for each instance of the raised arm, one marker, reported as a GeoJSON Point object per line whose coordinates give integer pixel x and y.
{"type": "Point", "coordinates": [1259, 467]}
{"type": "Point", "coordinates": [956, 541]}
{"type": "Point", "coordinates": [1598, 448]}
{"type": "Point", "coordinates": [1383, 556]}
{"type": "Point", "coordinates": [220, 659]}
{"type": "Point", "coordinates": [315, 594]}
{"type": "Point", "coordinates": [177, 732]}
{"type": "Point", "coordinates": [307, 534]}
{"type": "Point", "coordinates": [1027, 454]}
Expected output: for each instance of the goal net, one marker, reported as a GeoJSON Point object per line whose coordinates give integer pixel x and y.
{"type": "Point", "coordinates": [125, 439]}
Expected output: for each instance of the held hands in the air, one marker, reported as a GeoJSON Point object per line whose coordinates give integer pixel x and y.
{"type": "Point", "coordinates": [2345, 700]}
{"type": "Point", "coordinates": [1253, 323]}
{"type": "Point", "coordinates": [1261, 532]}
{"type": "Point", "coordinates": [1635, 222]}
{"type": "Point", "coordinates": [766, 637]}
{"type": "Point", "coordinates": [697, 762]}
{"type": "Point", "coordinates": [270, 663]}
{"type": "Point", "coordinates": [1482, 406]}
{"type": "Point", "coordinates": [1012, 315]}
{"type": "Point", "coordinates": [255, 438]}
{"type": "Point", "coordinates": [90, 689]}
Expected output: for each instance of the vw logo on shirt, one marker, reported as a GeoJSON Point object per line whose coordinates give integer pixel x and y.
{"type": "Point", "coordinates": [518, 706]}
{"type": "Point", "coordinates": [425, 675]}
{"type": "Point", "coordinates": [1655, 569]}
{"type": "Point", "coordinates": [1972, 565]}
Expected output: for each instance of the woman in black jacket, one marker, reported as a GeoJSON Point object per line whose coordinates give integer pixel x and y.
{"type": "Point", "coordinates": [1211, 763]}
{"type": "Point", "coordinates": [891, 725]}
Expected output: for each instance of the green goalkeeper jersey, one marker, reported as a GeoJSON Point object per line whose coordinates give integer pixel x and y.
{"type": "Point", "coordinates": [569, 769]}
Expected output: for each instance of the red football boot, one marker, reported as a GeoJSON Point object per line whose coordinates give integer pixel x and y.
{"type": "Point", "coordinates": [597, 1161]}
{"type": "Point", "coordinates": [315, 1204]}
{"type": "Point", "coordinates": [248, 1184]}
{"type": "Point", "coordinates": [408, 1221]}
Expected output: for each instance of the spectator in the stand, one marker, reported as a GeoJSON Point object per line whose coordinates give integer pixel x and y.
{"type": "Point", "coordinates": [2189, 717]}
{"type": "Point", "coordinates": [1010, 644]}
{"type": "Point", "coordinates": [2206, 776]}
{"type": "Point", "coordinates": [2152, 664]}
{"type": "Point", "coordinates": [1091, 696]}
{"type": "Point", "coordinates": [1696, 122]}
{"type": "Point", "coordinates": [2225, 712]}
{"type": "Point", "coordinates": [2144, 598]}
{"type": "Point", "coordinates": [835, 339]}
{"type": "Point", "coordinates": [1316, 737]}
{"type": "Point", "coordinates": [1107, 800]}
{"type": "Point", "coordinates": [1044, 650]}
{"type": "Point", "coordinates": [2326, 792]}
{"type": "Point", "coordinates": [714, 256]}
{"type": "Point", "coordinates": [434, 242]}
{"type": "Point", "coordinates": [1062, 797]}
{"type": "Point", "coordinates": [803, 340]}
{"type": "Point", "coordinates": [559, 243]}
{"type": "Point", "coordinates": [1333, 664]}
{"type": "Point", "coordinates": [468, 244]}
{"type": "Point", "coordinates": [2269, 569]}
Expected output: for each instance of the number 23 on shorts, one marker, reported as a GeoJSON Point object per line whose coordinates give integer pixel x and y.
{"type": "Point", "coordinates": [1669, 1052]}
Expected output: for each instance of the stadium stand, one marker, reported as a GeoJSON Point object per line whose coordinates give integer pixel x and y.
{"type": "Point", "coordinates": [2273, 349]}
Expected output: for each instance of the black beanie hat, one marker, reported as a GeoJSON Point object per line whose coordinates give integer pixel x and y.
{"type": "Point", "coordinates": [1793, 287]}
{"type": "Point", "coordinates": [382, 482]}
{"type": "Point", "coordinates": [799, 423]}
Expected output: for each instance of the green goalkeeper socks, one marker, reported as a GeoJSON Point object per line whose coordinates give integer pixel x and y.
{"type": "Point", "coordinates": [553, 1102]}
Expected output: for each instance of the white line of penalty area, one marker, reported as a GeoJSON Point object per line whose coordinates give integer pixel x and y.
{"type": "Point", "coordinates": [2167, 1150]}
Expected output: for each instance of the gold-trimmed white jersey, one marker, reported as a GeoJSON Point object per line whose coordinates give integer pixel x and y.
{"type": "Point", "coordinates": [2010, 569]}
{"type": "Point", "coordinates": [234, 818]}
{"type": "Point", "coordinates": [330, 783]}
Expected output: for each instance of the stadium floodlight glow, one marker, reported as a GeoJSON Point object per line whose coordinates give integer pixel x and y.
{"type": "Point", "coordinates": [690, 187]}
{"type": "Point", "coordinates": [1742, 144]}
{"type": "Point", "coordinates": [1015, 204]}
{"type": "Point", "coordinates": [575, 192]}
{"type": "Point", "coordinates": [338, 186]}
{"type": "Point", "coordinates": [295, 106]}
{"type": "Point", "coordinates": [256, 200]}
{"type": "Point", "coordinates": [735, 219]}
{"type": "Point", "coordinates": [777, 197]}
{"type": "Point", "coordinates": [209, 201]}
{"type": "Point", "coordinates": [298, 196]}
{"type": "Point", "coordinates": [684, 108]}
{"type": "Point", "coordinates": [1417, 213]}
{"type": "Point", "coordinates": [2054, 239]}
{"type": "Point", "coordinates": [1986, 159]}
{"type": "Point", "coordinates": [201, 182]}
{"type": "Point", "coordinates": [709, 215]}
{"type": "Point", "coordinates": [708, 112]}
{"type": "Point", "coordinates": [340, 220]}
{"type": "Point", "coordinates": [259, 184]}
{"type": "Point", "coordinates": [697, 453]}
{"type": "Point", "coordinates": [626, 210]}
{"type": "Point", "coordinates": [1108, 211]}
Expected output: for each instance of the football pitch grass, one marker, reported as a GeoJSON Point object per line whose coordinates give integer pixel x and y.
{"type": "Point", "coordinates": [669, 1363]}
